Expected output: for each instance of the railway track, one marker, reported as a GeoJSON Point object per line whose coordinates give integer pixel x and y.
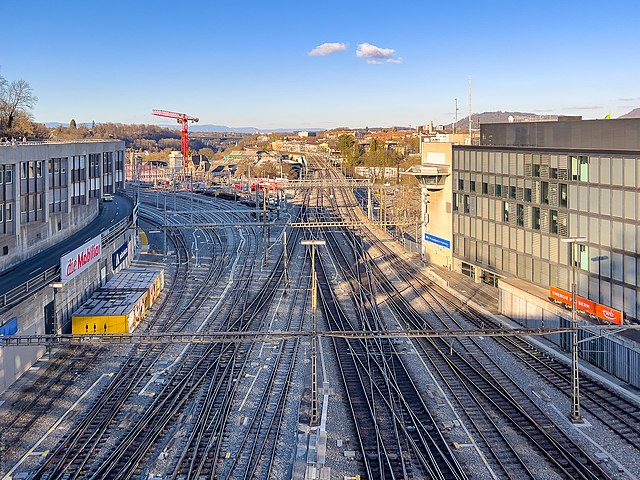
{"type": "Point", "coordinates": [488, 389]}
{"type": "Point", "coordinates": [77, 455]}
{"type": "Point", "coordinates": [397, 434]}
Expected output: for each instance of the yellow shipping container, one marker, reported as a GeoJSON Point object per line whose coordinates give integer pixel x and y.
{"type": "Point", "coordinates": [83, 324]}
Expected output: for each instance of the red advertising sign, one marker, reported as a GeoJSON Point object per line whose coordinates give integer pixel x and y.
{"type": "Point", "coordinates": [609, 314]}
{"type": "Point", "coordinates": [560, 295]}
{"type": "Point", "coordinates": [80, 259]}
{"type": "Point", "coordinates": [586, 305]}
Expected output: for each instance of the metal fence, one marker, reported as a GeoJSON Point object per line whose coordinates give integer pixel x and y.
{"type": "Point", "coordinates": [52, 274]}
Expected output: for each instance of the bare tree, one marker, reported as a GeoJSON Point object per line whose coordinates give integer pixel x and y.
{"type": "Point", "coordinates": [15, 98]}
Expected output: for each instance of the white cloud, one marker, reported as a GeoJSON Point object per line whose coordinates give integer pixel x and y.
{"type": "Point", "coordinates": [366, 50]}
{"type": "Point", "coordinates": [327, 49]}
{"type": "Point", "coordinates": [376, 55]}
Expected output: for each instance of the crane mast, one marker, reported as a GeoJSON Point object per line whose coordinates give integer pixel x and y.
{"type": "Point", "coordinates": [183, 119]}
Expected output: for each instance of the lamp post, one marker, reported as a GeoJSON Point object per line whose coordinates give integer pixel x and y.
{"type": "Point", "coordinates": [575, 374]}
{"type": "Point", "coordinates": [314, 331]}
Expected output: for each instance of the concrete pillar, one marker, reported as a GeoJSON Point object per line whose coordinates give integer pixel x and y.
{"type": "Point", "coordinates": [17, 180]}
{"type": "Point", "coordinates": [477, 273]}
{"type": "Point", "coordinates": [45, 192]}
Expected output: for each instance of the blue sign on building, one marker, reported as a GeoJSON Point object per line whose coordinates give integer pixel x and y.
{"type": "Point", "coordinates": [437, 240]}
{"type": "Point", "coordinates": [120, 255]}
{"type": "Point", "coordinates": [9, 328]}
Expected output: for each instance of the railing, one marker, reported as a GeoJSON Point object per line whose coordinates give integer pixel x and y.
{"type": "Point", "coordinates": [52, 274]}
{"type": "Point", "coordinates": [35, 283]}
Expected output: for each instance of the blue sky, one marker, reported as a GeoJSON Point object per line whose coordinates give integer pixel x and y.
{"type": "Point", "coordinates": [247, 63]}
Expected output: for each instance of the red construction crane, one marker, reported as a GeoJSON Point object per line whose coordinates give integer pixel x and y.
{"type": "Point", "coordinates": [183, 119]}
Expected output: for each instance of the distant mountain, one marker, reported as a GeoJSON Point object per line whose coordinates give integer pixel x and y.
{"type": "Point", "coordinates": [635, 113]}
{"type": "Point", "coordinates": [498, 117]}
{"type": "Point", "coordinates": [208, 128]}
{"type": "Point", "coordinates": [60, 124]}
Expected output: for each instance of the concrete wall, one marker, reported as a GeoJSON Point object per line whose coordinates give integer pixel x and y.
{"type": "Point", "coordinates": [438, 222]}
{"type": "Point", "coordinates": [615, 134]}
{"type": "Point", "coordinates": [25, 239]}
{"type": "Point", "coordinates": [528, 305]}
{"type": "Point", "coordinates": [14, 361]}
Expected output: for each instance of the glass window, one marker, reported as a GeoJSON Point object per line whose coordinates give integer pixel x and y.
{"type": "Point", "coordinates": [8, 175]}
{"type": "Point", "coordinates": [594, 200]}
{"type": "Point", "coordinates": [553, 226]}
{"type": "Point", "coordinates": [553, 172]}
{"type": "Point", "coordinates": [512, 191]}
{"type": "Point", "coordinates": [535, 218]}
{"type": "Point", "coordinates": [605, 232]}
{"type": "Point", "coordinates": [472, 185]}
{"type": "Point", "coordinates": [605, 170]}
{"type": "Point", "coordinates": [629, 172]}
{"type": "Point", "coordinates": [545, 193]}
{"type": "Point", "coordinates": [594, 173]}
{"type": "Point", "coordinates": [616, 171]}
{"type": "Point", "coordinates": [616, 266]}
{"type": "Point", "coordinates": [580, 168]}
{"type": "Point", "coordinates": [617, 200]}
{"type": "Point", "coordinates": [505, 212]}
{"type": "Point", "coordinates": [605, 201]}
{"type": "Point", "coordinates": [24, 167]}
{"type": "Point", "coordinates": [8, 212]}
{"type": "Point", "coordinates": [527, 194]}
{"type": "Point", "coordinates": [460, 184]}
{"type": "Point", "coordinates": [31, 169]}
{"type": "Point", "coordinates": [485, 188]}
{"type": "Point", "coordinates": [629, 237]}
{"type": "Point", "coordinates": [535, 170]}
{"type": "Point", "coordinates": [630, 205]}
{"type": "Point", "coordinates": [520, 215]}
{"type": "Point", "coordinates": [563, 195]}
{"type": "Point", "coordinates": [617, 235]}
{"type": "Point", "coordinates": [39, 169]}
{"type": "Point", "coordinates": [498, 190]}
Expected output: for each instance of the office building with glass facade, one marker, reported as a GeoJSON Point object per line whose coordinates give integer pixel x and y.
{"type": "Point", "coordinates": [529, 185]}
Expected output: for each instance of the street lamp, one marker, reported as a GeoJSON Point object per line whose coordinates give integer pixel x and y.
{"type": "Point", "coordinates": [575, 374]}
{"type": "Point", "coordinates": [314, 331]}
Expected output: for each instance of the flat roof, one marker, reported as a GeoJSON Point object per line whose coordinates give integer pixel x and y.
{"type": "Point", "coordinates": [559, 150]}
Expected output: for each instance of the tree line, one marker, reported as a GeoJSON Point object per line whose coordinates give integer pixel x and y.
{"type": "Point", "coordinates": [16, 99]}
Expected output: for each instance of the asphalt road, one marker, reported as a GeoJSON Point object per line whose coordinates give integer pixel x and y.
{"type": "Point", "coordinates": [111, 214]}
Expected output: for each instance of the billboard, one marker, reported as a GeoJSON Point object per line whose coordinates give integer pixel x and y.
{"type": "Point", "coordinates": [437, 240]}
{"type": "Point", "coordinates": [586, 305]}
{"type": "Point", "coordinates": [120, 255]}
{"type": "Point", "coordinates": [77, 261]}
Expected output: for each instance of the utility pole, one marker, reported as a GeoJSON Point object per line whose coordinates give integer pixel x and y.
{"type": "Point", "coordinates": [165, 224]}
{"type": "Point", "coordinates": [314, 331]}
{"type": "Point", "coordinates": [455, 124]}
{"type": "Point", "coordinates": [264, 227]}
{"type": "Point", "coordinates": [286, 259]}
{"type": "Point", "coordinates": [470, 114]}
{"type": "Point", "coordinates": [575, 416]}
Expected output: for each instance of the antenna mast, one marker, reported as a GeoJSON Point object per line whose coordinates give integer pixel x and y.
{"type": "Point", "coordinates": [455, 124]}
{"type": "Point", "coordinates": [470, 113]}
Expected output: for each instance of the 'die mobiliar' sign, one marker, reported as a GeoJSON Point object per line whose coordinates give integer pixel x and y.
{"type": "Point", "coordinates": [80, 259]}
